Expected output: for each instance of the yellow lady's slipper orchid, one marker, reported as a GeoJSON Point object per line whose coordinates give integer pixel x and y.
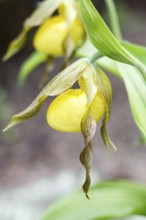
{"type": "Point", "coordinates": [51, 35]}
{"type": "Point", "coordinates": [67, 110]}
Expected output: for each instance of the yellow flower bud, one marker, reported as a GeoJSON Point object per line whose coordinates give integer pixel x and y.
{"type": "Point", "coordinates": [65, 113]}
{"type": "Point", "coordinates": [51, 35]}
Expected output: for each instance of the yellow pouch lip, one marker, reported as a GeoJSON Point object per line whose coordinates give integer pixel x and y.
{"type": "Point", "coordinates": [46, 38]}
{"type": "Point", "coordinates": [50, 36]}
{"type": "Point", "coordinates": [66, 111]}
{"type": "Point", "coordinates": [56, 113]}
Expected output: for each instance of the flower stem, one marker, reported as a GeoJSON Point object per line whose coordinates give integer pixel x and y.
{"type": "Point", "coordinates": [114, 22]}
{"type": "Point", "coordinates": [96, 56]}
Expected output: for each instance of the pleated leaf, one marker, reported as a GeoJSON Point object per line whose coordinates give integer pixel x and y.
{"type": "Point", "coordinates": [136, 89]}
{"type": "Point", "coordinates": [44, 10]}
{"type": "Point", "coordinates": [109, 200]}
{"type": "Point", "coordinates": [63, 81]}
{"type": "Point", "coordinates": [136, 50]}
{"type": "Point", "coordinates": [102, 38]}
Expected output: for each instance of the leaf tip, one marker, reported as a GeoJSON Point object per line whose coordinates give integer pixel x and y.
{"type": "Point", "coordinates": [4, 129]}
{"type": "Point", "coordinates": [8, 54]}
{"type": "Point", "coordinates": [13, 121]}
{"type": "Point", "coordinates": [5, 57]}
{"type": "Point", "coordinates": [7, 127]}
{"type": "Point", "coordinates": [87, 196]}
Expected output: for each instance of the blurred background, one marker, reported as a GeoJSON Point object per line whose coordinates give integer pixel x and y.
{"type": "Point", "coordinates": [39, 165]}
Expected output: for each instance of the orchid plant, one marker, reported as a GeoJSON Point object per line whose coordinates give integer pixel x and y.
{"type": "Point", "coordinates": [78, 31]}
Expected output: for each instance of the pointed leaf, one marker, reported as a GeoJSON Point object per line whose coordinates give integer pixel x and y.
{"type": "Point", "coordinates": [34, 60]}
{"type": "Point", "coordinates": [136, 89]}
{"type": "Point", "coordinates": [103, 39]}
{"type": "Point", "coordinates": [88, 50]}
{"type": "Point", "coordinates": [136, 50]}
{"type": "Point", "coordinates": [109, 200]}
{"type": "Point", "coordinates": [63, 81]}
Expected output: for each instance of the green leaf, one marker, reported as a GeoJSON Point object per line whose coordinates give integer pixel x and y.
{"type": "Point", "coordinates": [44, 10]}
{"type": "Point", "coordinates": [135, 86]}
{"type": "Point", "coordinates": [136, 89]}
{"type": "Point", "coordinates": [34, 60]}
{"type": "Point", "coordinates": [63, 81]}
{"type": "Point", "coordinates": [136, 50]}
{"type": "Point", "coordinates": [142, 139]}
{"type": "Point", "coordinates": [103, 39]}
{"type": "Point", "coordinates": [88, 50]}
{"type": "Point", "coordinates": [109, 200]}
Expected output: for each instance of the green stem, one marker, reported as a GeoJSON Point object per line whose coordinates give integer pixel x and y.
{"type": "Point", "coordinates": [96, 56]}
{"type": "Point", "coordinates": [114, 21]}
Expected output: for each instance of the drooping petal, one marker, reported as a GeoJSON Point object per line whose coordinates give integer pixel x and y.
{"type": "Point", "coordinates": [63, 81]}
{"type": "Point", "coordinates": [104, 86]}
